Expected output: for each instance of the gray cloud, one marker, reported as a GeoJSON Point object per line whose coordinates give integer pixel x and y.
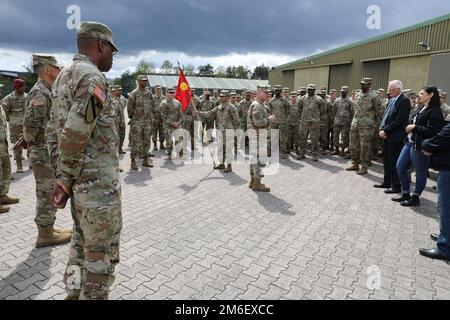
{"type": "Point", "coordinates": [209, 27]}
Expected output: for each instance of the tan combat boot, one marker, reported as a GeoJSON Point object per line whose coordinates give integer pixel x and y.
{"type": "Point", "coordinates": [5, 199]}
{"type": "Point", "coordinates": [335, 152]}
{"type": "Point", "coordinates": [342, 153]}
{"type": "Point", "coordinates": [363, 171]}
{"type": "Point", "coordinates": [47, 236]}
{"type": "Point", "coordinates": [19, 166]}
{"type": "Point", "coordinates": [259, 187]}
{"type": "Point", "coordinates": [148, 163]}
{"type": "Point", "coordinates": [301, 157]}
{"type": "Point", "coordinates": [219, 167]}
{"type": "Point", "coordinates": [252, 181]}
{"type": "Point", "coordinates": [315, 158]}
{"type": "Point", "coordinates": [4, 209]}
{"type": "Point", "coordinates": [353, 167]}
{"type": "Point", "coordinates": [134, 165]}
{"type": "Point", "coordinates": [228, 168]}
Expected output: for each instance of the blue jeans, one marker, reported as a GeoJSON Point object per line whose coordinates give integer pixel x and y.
{"type": "Point", "coordinates": [443, 209]}
{"type": "Point", "coordinates": [410, 156]}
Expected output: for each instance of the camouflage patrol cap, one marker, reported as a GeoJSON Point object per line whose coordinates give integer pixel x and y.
{"type": "Point", "coordinates": [263, 88]}
{"type": "Point", "coordinates": [157, 86]}
{"type": "Point", "coordinates": [171, 90]}
{"type": "Point", "coordinates": [333, 91]}
{"type": "Point", "coordinates": [344, 89]}
{"type": "Point", "coordinates": [323, 88]}
{"type": "Point", "coordinates": [311, 86]}
{"type": "Point", "coordinates": [113, 88]}
{"type": "Point", "coordinates": [215, 91]}
{"type": "Point", "coordinates": [380, 90]}
{"type": "Point", "coordinates": [142, 77]}
{"type": "Point", "coordinates": [119, 88]}
{"type": "Point", "coordinates": [321, 92]}
{"type": "Point", "coordinates": [285, 89]}
{"type": "Point", "coordinates": [366, 81]}
{"type": "Point", "coordinates": [207, 91]}
{"type": "Point", "coordinates": [302, 89]}
{"type": "Point", "coordinates": [224, 93]}
{"type": "Point", "coordinates": [96, 30]}
{"type": "Point", "coordinates": [233, 94]}
{"type": "Point", "coordinates": [277, 88]}
{"type": "Point", "coordinates": [45, 59]}
{"type": "Point", "coordinates": [293, 93]}
{"type": "Point", "coordinates": [443, 94]}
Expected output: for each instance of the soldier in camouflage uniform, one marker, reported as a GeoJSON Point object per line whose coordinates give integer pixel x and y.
{"type": "Point", "coordinates": [207, 105]}
{"type": "Point", "coordinates": [5, 165]}
{"type": "Point", "coordinates": [293, 123]}
{"type": "Point", "coordinates": [343, 111]}
{"type": "Point", "coordinates": [280, 107]}
{"type": "Point", "coordinates": [88, 164]}
{"type": "Point", "coordinates": [244, 106]}
{"type": "Point", "coordinates": [367, 117]}
{"type": "Point", "coordinates": [38, 104]}
{"type": "Point", "coordinates": [157, 127]}
{"type": "Point", "coordinates": [117, 112]}
{"type": "Point", "coordinates": [226, 118]}
{"type": "Point", "coordinates": [258, 119]}
{"type": "Point", "coordinates": [445, 108]}
{"type": "Point", "coordinates": [171, 115]}
{"type": "Point", "coordinates": [122, 124]}
{"type": "Point", "coordinates": [140, 112]}
{"type": "Point", "coordinates": [324, 122]}
{"type": "Point", "coordinates": [14, 107]}
{"type": "Point", "coordinates": [187, 120]}
{"type": "Point", "coordinates": [311, 108]}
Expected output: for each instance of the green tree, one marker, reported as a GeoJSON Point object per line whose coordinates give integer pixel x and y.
{"type": "Point", "coordinates": [189, 70]}
{"type": "Point", "coordinates": [167, 67]}
{"type": "Point", "coordinates": [206, 70]}
{"type": "Point", "coordinates": [260, 73]}
{"type": "Point", "coordinates": [144, 67]}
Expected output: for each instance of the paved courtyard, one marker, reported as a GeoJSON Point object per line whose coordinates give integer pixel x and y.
{"type": "Point", "coordinates": [190, 233]}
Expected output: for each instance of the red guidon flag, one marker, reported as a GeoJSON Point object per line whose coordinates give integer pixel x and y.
{"type": "Point", "coordinates": [183, 94]}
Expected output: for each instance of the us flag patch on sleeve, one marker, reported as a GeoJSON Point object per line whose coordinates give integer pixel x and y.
{"type": "Point", "coordinates": [98, 93]}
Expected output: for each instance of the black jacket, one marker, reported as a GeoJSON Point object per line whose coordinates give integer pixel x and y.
{"type": "Point", "coordinates": [428, 124]}
{"type": "Point", "coordinates": [439, 145]}
{"type": "Point", "coordinates": [398, 120]}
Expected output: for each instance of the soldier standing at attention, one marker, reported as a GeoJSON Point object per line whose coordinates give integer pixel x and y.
{"type": "Point", "coordinates": [280, 107]}
{"type": "Point", "coordinates": [293, 122]}
{"type": "Point", "coordinates": [122, 124]}
{"type": "Point", "coordinates": [207, 105]}
{"type": "Point", "coordinates": [226, 118]}
{"type": "Point", "coordinates": [88, 165]}
{"type": "Point", "coordinates": [343, 111]}
{"type": "Point", "coordinates": [157, 128]}
{"type": "Point", "coordinates": [140, 110]}
{"type": "Point", "coordinates": [37, 109]}
{"type": "Point", "coordinates": [14, 107]}
{"type": "Point", "coordinates": [311, 108]}
{"type": "Point", "coordinates": [5, 166]}
{"type": "Point", "coordinates": [244, 106]}
{"type": "Point", "coordinates": [368, 112]}
{"type": "Point", "coordinates": [258, 119]}
{"type": "Point", "coordinates": [171, 115]}
{"type": "Point", "coordinates": [324, 122]}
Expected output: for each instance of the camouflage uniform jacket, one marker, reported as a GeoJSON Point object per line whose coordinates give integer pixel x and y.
{"type": "Point", "coordinates": [88, 161]}
{"type": "Point", "coordinates": [368, 110]}
{"type": "Point", "coordinates": [311, 109]}
{"type": "Point", "coordinates": [206, 105]}
{"type": "Point", "coordinates": [157, 107]}
{"type": "Point", "coordinates": [37, 113]}
{"type": "Point", "coordinates": [343, 111]}
{"type": "Point", "coordinates": [225, 115]}
{"type": "Point", "coordinates": [280, 107]}
{"type": "Point", "coordinates": [140, 106]}
{"type": "Point", "coordinates": [258, 116]}
{"type": "Point", "coordinates": [294, 116]}
{"type": "Point", "coordinates": [3, 134]}
{"type": "Point", "coordinates": [170, 112]}
{"type": "Point", "coordinates": [14, 106]}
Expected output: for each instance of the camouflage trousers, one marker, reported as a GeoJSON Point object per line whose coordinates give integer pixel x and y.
{"type": "Point", "coordinates": [256, 171]}
{"type": "Point", "coordinates": [94, 250]}
{"type": "Point", "coordinates": [140, 142]}
{"type": "Point", "coordinates": [43, 174]}
{"type": "Point", "coordinates": [15, 132]}
{"type": "Point", "coordinates": [377, 142]}
{"type": "Point", "coordinates": [282, 128]}
{"type": "Point", "coordinates": [122, 133]}
{"type": "Point", "coordinates": [361, 139]}
{"type": "Point", "coordinates": [311, 129]}
{"type": "Point", "coordinates": [189, 126]}
{"type": "Point", "coordinates": [292, 136]}
{"type": "Point", "coordinates": [169, 139]}
{"type": "Point", "coordinates": [157, 132]}
{"type": "Point", "coordinates": [5, 173]}
{"type": "Point", "coordinates": [324, 135]}
{"type": "Point", "coordinates": [341, 133]}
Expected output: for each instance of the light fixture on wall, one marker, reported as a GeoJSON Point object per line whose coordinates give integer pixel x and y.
{"type": "Point", "coordinates": [424, 45]}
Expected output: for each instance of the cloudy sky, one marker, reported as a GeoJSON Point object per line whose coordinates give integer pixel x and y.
{"type": "Point", "coordinates": [198, 32]}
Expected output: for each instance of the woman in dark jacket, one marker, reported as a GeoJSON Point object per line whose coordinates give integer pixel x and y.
{"type": "Point", "coordinates": [426, 122]}
{"type": "Point", "coordinates": [439, 148]}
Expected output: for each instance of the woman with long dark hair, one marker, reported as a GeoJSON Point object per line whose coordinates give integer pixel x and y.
{"type": "Point", "coordinates": [426, 122]}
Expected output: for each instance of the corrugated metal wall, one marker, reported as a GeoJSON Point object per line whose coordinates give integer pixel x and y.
{"type": "Point", "coordinates": [397, 45]}
{"type": "Point", "coordinates": [378, 71]}
{"type": "Point", "coordinates": [340, 75]}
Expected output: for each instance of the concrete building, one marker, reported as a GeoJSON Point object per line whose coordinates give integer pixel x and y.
{"type": "Point", "coordinates": [418, 55]}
